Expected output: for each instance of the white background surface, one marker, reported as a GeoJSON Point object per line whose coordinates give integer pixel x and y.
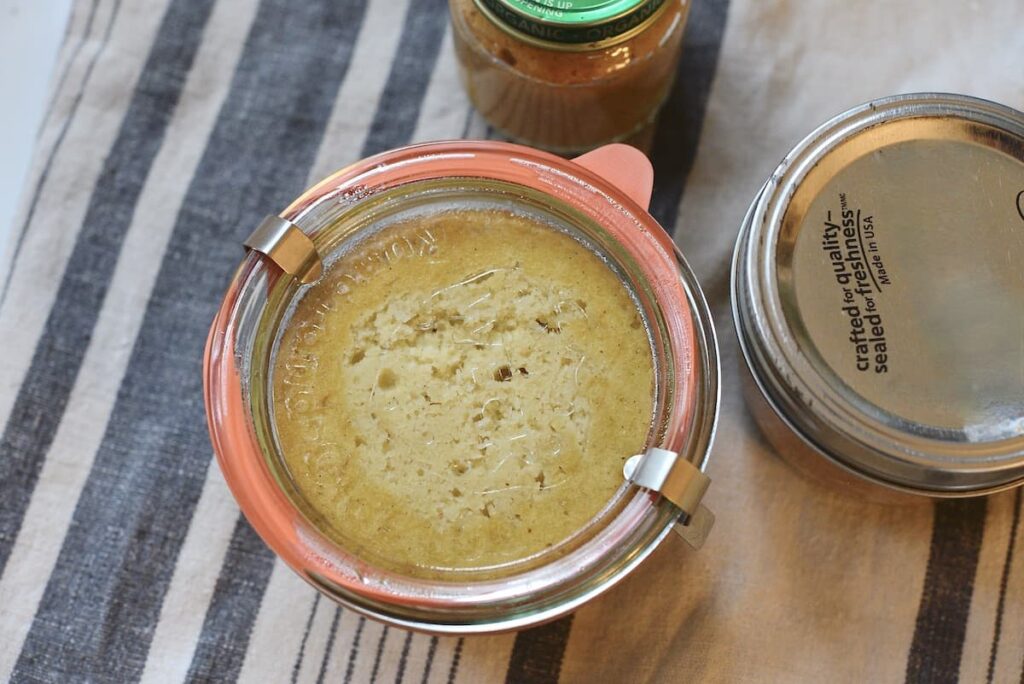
{"type": "Point", "coordinates": [30, 36]}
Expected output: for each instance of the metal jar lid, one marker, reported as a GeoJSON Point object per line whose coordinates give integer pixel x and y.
{"type": "Point", "coordinates": [878, 293]}
{"type": "Point", "coordinates": [572, 23]}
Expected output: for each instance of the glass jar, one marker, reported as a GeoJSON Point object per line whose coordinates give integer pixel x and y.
{"type": "Point", "coordinates": [877, 299]}
{"type": "Point", "coordinates": [569, 79]}
{"type": "Point", "coordinates": [243, 344]}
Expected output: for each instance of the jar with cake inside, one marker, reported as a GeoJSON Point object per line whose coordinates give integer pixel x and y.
{"type": "Point", "coordinates": [570, 79]}
{"type": "Point", "coordinates": [433, 420]}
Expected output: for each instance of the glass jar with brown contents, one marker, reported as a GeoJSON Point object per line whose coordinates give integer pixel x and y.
{"type": "Point", "coordinates": [569, 75]}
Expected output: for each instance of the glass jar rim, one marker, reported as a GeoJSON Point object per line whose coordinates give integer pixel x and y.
{"type": "Point", "coordinates": [537, 594]}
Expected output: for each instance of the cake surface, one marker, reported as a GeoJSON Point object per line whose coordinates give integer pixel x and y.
{"type": "Point", "coordinates": [460, 391]}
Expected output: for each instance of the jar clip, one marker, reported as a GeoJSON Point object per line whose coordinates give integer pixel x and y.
{"type": "Point", "coordinates": [679, 481]}
{"type": "Point", "coordinates": [286, 245]}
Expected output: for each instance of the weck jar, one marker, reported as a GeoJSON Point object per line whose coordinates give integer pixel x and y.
{"type": "Point", "coordinates": [393, 308]}
{"type": "Point", "coordinates": [568, 76]}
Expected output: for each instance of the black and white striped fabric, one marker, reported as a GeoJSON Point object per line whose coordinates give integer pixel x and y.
{"type": "Point", "coordinates": [177, 124]}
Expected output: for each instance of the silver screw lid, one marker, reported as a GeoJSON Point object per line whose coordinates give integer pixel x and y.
{"type": "Point", "coordinates": [878, 292]}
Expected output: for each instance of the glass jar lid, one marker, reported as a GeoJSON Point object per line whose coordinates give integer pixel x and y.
{"type": "Point", "coordinates": [572, 22]}
{"type": "Point", "coordinates": [879, 293]}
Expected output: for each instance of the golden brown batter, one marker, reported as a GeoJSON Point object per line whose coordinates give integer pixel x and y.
{"type": "Point", "coordinates": [461, 391]}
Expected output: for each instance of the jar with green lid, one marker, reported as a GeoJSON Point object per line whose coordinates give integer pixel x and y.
{"type": "Point", "coordinates": [569, 75]}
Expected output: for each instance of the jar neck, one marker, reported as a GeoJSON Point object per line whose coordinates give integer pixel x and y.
{"type": "Point", "coordinates": [572, 36]}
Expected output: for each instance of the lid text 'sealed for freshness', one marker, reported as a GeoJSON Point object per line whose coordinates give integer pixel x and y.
{"type": "Point", "coordinates": [852, 250]}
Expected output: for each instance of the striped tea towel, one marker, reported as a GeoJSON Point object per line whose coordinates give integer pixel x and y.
{"type": "Point", "coordinates": [177, 124]}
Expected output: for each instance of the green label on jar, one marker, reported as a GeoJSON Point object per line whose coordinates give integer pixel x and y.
{"type": "Point", "coordinates": [572, 21]}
